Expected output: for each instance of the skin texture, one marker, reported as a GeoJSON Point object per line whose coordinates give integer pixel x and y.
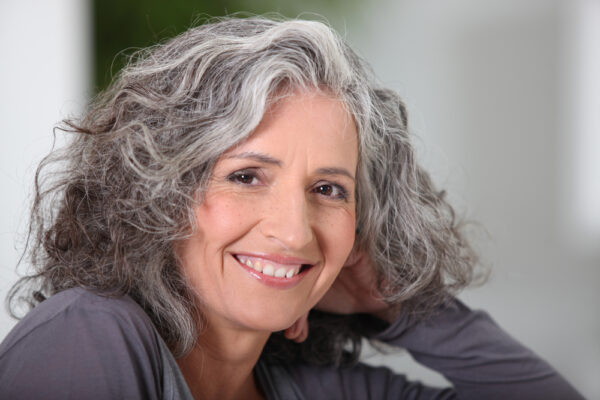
{"type": "Point", "coordinates": [286, 191]}
{"type": "Point", "coordinates": [354, 291]}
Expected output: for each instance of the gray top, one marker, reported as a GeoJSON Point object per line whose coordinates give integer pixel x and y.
{"type": "Point", "coordinates": [79, 345]}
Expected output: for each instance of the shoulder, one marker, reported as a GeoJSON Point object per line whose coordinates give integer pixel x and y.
{"type": "Point", "coordinates": [77, 311]}
{"type": "Point", "coordinates": [82, 343]}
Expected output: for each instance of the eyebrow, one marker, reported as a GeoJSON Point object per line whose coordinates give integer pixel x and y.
{"type": "Point", "coordinates": [335, 171]}
{"type": "Point", "coordinates": [263, 158]}
{"type": "Point", "coordinates": [266, 159]}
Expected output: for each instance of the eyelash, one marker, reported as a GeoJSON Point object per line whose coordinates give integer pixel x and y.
{"type": "Point", "coordinates": [237, 177]}
{"type": "Point", "coordinates": [242, 177]}
{"type": "Point", "coordinates": [342, 195]}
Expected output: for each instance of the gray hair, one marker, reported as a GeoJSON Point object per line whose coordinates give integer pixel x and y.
{"type": "Point", "coordinates": [111, 205]}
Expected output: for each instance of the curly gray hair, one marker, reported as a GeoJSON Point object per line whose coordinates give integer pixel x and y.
{"type": "Point", "coordinates": [112, 204]}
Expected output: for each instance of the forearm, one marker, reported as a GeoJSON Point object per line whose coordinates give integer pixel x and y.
{"type": "Point", "coordinates": [477, 356]}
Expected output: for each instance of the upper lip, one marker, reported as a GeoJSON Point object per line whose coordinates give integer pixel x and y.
{"type": "Point", "coordinates": [277, 258]}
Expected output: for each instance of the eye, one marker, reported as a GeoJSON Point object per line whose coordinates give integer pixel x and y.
{"type": "Point", "coordinates": [331, 190]}
{"type": "Point", "coordinates": [244, 177]}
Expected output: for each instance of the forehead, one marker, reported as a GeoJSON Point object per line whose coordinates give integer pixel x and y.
{"type": "Point", "coordinates": [309, 121]}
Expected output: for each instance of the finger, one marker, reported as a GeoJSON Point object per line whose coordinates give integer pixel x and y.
{"type": "Point", "coordinates": [298, 332]}
{"type": "Point", "coordinates": [303, 333]}
{"type": "Point", "coordinates": [290, 333]}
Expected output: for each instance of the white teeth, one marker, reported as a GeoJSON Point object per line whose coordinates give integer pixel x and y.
{"type": "Point", "coordinates": [268, 270]}
{"type": "Point", "coordinates": [280, 273]}
{"type": "Point", "coordinates": [257, 266]}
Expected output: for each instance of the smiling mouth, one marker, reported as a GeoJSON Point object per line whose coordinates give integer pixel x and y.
{"type": "Point", "coordinates": [271, 268]}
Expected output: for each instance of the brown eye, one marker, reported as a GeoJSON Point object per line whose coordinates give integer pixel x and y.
{"type": "Point", "coordinates": [325, 190]}
{"type": "Point", "coordinates": [243, 178]}
{"type": "Point", "coordinates": [333, 191]}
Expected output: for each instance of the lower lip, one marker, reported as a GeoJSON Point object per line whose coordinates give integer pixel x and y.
{"type": "Point", "coordinates": [278, 283]}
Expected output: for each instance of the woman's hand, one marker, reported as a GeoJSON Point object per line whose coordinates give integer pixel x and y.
{"type": "Point", "coordinates": [354, 291]}
{"type": "Point", "coordinates": [298, 332]}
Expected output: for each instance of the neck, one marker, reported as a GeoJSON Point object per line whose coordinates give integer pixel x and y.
{"type": "Point", "coordinates": [221, 364]}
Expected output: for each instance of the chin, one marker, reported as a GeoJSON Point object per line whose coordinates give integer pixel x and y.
{"type": "Point", "coordinates": [269, 321]}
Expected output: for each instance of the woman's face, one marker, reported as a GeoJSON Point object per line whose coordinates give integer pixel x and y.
{"type": "Point", "coordinates": [278, 218]}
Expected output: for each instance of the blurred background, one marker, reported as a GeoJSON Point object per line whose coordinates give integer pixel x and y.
{"type": "Point", "coordinates": [504, 102]}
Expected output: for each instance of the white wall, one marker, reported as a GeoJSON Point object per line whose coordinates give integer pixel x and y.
{"type": "Point", "coordinates": [44, 76]}
{"type": "Point", "coordinates": [504, 102]}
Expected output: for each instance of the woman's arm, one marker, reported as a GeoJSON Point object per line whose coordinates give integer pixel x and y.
{"type": "Point", "coordinates": [477, 356]}
{"type": "Point", "coordinates": [467, 347]}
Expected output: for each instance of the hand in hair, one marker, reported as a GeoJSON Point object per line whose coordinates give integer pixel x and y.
{"type": "Point", "coordinates": [354, 291]}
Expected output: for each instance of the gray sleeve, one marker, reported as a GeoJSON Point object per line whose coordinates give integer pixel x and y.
{"type": "Point", "coordinates": [467, 347]}
{"type": "Point", "coordinates": [91, 348]}
{"type": "Point", "coordinates": [362, 382]}
{"type": "Point", "coordinates": [480, 359]}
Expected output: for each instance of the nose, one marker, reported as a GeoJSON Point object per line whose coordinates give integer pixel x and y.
{"type": "Point", "coordinates": [287, 220]}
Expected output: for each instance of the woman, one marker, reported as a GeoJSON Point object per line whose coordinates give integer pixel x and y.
{"type": "Point", "coordinates": [227, 183]}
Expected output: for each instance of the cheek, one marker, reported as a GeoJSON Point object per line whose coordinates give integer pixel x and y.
{"type": "Point", "coordinates": [337, 239]}
{"type": "Point", "coordinates": [222, 218]}
{"type": "Point", "coordinates": [220, 221]}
